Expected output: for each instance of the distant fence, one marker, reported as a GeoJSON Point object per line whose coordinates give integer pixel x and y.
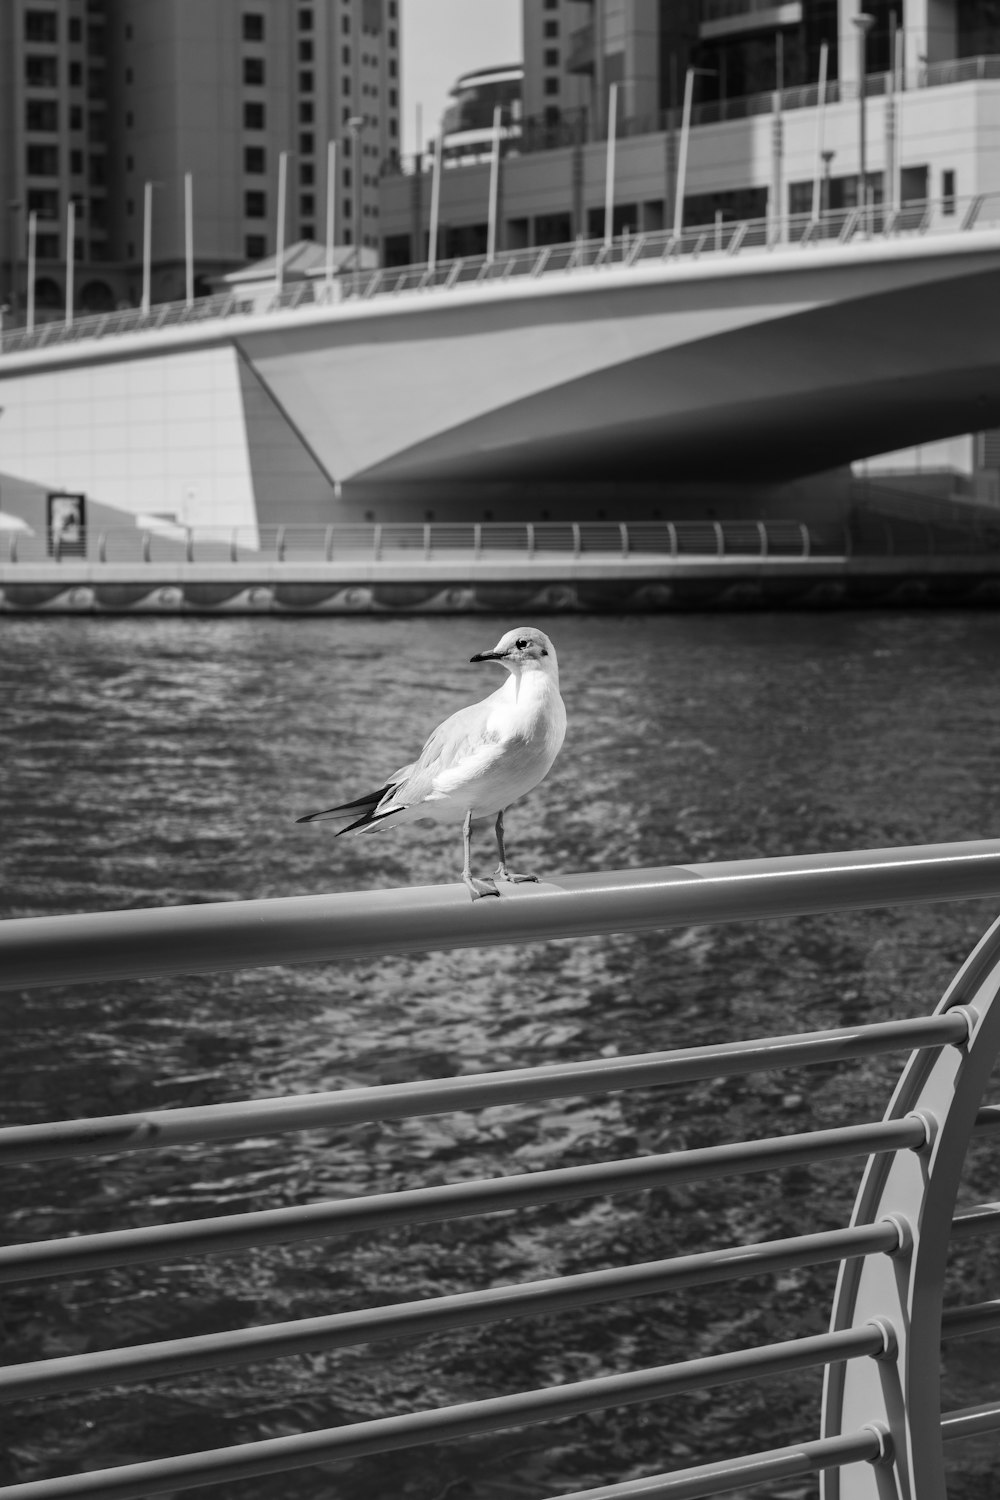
{"type": "Point", "coordinates": [949, 215]}
{"type": "Point", "coordinates": [868, 533]}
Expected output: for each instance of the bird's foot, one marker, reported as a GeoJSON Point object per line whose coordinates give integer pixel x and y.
{"type": "Point", "coordinates": [502, 873]}
{"type": "Point", "coordinates": [479, 888]}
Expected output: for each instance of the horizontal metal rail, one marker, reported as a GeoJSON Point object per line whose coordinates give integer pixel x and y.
{"type": "Point", "coordinates": [429, 1315]}
{"type": "Point", "coordinates": [870, 1444]}
{"type": "Point", "coordinates": [316, 929]}
{"type": "Point", "coordinates": [977, 1317]}
{"type": "Point", "coordinates": [971, 1421]}
{"type": "Point", "coordinates": [388, 1434]}
{"type": "Point", "coordinates": [222, 1235]}
{"type": "Point", "coordinates": [983, 1219]}
{"type": "Point", "coordinates": [400, 1101]}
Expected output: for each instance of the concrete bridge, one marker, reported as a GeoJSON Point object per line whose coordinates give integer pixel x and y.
{"type": "Point", "coordinates": [570, 380]}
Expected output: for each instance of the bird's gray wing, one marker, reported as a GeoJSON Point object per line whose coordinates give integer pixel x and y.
{"type": "Point", "coordinates": [461, 747]}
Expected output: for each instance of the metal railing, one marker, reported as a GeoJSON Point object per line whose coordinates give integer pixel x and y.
{"type": "Point", "coordinates": [511, 268]}
{"type": "Point", "coordinates": [881, 526]}
{"type": "Point", "coordinates": [881, 1411]}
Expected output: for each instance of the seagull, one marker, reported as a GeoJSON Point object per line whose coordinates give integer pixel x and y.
{"type": "Point", "coordinates": [481, 759]}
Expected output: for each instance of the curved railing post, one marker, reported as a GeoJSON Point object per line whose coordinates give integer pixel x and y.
{"type": "Point", "coordinates": [917, 1190]}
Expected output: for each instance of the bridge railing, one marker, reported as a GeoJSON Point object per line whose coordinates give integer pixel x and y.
{"type": "Point", "coordinates": [842, 227]}
{"type": "Point", "coordinates": [881, 1429]}
{"type": "Point", "coordinates": [869, 532]}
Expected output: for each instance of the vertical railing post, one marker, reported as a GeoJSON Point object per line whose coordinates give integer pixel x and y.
{"type": "Point", "coordinates": [377, 543]}
{"type": "Point", "coordinates": [623, 533]}
{"type": "Point", "coordinates": [189, 546]}
{"type": "Point", "coordinates": [915, 1189]}
{"type": "Point", "coordinates": [328, 545]}
{"type": "Point", "coordinates": [279, 545]}
{"type": "Point", "coordinates": [531, 539]}
{"type": "Point", "coordinates": [762, 533]}
{"type": "Point", "coordinates": [427, 542]}
{"type": "Point", "coordinates": [577, 540]}
{"type": "Point", "coordinates": [477, 541]}
{"type": "Point", "coordinates": [806, 541]}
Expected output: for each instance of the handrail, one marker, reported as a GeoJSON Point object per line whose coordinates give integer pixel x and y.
{"type": "Point", "coordinates": [881, 1407]}
{"type": "Point", "coordinates": [155, 1129]}
{"type": "Point", "coordinates": [835, 228]}
{"type": "Point", "coordinates": [231, 935]}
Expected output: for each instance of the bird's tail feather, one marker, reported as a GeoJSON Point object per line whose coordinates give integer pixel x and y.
{"type": "Point", "coordinates": [369, 802]}
{"type": "Point", "coordinates": [368, 821]}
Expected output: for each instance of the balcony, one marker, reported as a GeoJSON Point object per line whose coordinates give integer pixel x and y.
{"type": "Point", "coordinates": [580, 52]}
{"type": "Point", "coordinates": [721, 18]}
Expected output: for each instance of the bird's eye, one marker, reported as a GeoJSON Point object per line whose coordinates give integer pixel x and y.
{"type": "Point", "coordinates": [522, 645]}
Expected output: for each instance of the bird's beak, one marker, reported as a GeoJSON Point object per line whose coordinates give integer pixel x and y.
{"type": "Point", "coordinates": [487, 656]}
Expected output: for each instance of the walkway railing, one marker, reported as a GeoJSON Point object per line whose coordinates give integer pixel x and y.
{"type": "Point", "coordinates": [869, 533]}
{"type": "Point", "coordinates": [836, 228]}
{"type": "Point", "coordinates": [881, 1429]}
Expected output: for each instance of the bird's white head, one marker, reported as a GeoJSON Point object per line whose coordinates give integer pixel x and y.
{"type": "Point", "coordinates": [523, 649]}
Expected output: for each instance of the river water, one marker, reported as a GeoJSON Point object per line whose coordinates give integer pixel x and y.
{"type": "Point", "coordinates": [151, 761]}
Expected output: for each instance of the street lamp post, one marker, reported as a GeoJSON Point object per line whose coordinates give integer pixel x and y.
{"type": "Point", "coordinates": [685, 136]}
{"type": "Point", "coordinates": [827, 160]}
{"type": "Point", "coordinates": [14, 291]}
{"type": "Point", "coordinates": [355, 125]}
{"type": "Point", "coordinates": [864, 23]}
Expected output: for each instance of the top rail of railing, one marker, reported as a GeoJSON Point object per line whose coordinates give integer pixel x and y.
{"type": "Point", "coordinates": [889, 522]}
{"type": "Point", "coordinates": [730, 239]}
{"type": "Point", "coordinates": [219, 936]}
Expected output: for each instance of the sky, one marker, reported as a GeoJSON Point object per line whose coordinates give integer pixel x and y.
{"type": "Point", "coordinates": [443, 38]}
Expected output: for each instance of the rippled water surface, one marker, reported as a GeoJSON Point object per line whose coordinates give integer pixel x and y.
{"type": "Point", "coordinates": [147, 762]}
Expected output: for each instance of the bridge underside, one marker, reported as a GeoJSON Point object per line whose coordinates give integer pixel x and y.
{"type": "Point", "coordinates": [741, 383]}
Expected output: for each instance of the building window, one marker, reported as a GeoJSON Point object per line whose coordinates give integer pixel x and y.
{"type": "Point", "coordinates": [393, 99]}
{"type": "Point", "coordinates": [551, 4]}
{"type": "Point", "coordinates": [40, 26]}
{"type": "Point", "coordinates": [47, 247]}
{"type": "Point", "coordinates": [347, 177]}
{"type": "Point", "coordinates": [392, 67]}
{"type": "Point", "coordinates": [552, 85]}
{"type": "Point", "coordinates": [307, 232]}
{"type": "Point", "coordinates": [97, 174]}
{"type": "Point", "coordinates": [948, 191]}
{"type": "Point", "coordinates": [41, 72]}
{"type": "Point", "coordinates": [345, 55]}
{"type": "Point", "coordinates": [255, 204]}
{"type": "Point", "coordinates": [130, 163]}
{"type": "Point", "coordinates": [552, 57]}
{"type": "Point", "coordinates": [42, 114]}
{"type": "Point", "coordinates": [345, 85]}
{"type": "Point", "coordinates": [44, 202]}
{"type": "Point", "coordinates": [306, 112]}
{"type": "Point", "coordinates": [253, 71]}
{"type": "Point", "coordinates": [306, 174]}
{"type": "Point", "coordinates": [255, 246]}
{"type": "Point", "coordinates": [307, 204]}
{"type": "Point", "coordinates": [392, 37]}
{"type": "Point", "coordinates": [348, 206]}
{"type": "Point", "coordinates": [345, 25]}
{"type": "Point", "coordinates": [305, 52]}
{"type": "Point", "coordinates": [76, 75]}
{"type": "Point", "coordinates": [552, 29]}
{"type": "Point", "coordinates": [393, 126]}
{"type": "Point", "coordinates": [128, 75]}
{"type": "Point", "coordinates": [253, 116]}
{"type": "Point", "coordinates": [76, 163]}
{"type": "Point", "coordinates": [307, 143]}
{"type": "Point", "coordinates": [253, 27]}
{"type": "Point", "coordinates": [306, 82]}
{"type": "Point", "coordinates": [42, 161]}
{"type": "Point", "coordinates": [75, 29]}
{"type": "Point", "coordinates": [305, 20]}
{"type": "Point", "coordinates": [254, 160]}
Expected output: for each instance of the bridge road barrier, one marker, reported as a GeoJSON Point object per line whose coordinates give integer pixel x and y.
{"type": "Point", "coordinates": [842, 230]}
{"type": "Point", "coordinates": [881, 1428]}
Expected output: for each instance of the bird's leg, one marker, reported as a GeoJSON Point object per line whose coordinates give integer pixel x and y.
{"type": "Point", "coordinates": [502, 871]}
{"type": "Point", "coordinates": [476, 887]}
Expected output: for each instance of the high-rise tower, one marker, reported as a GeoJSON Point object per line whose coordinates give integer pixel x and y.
{"type": "Point", "coordinates": [102, 97]}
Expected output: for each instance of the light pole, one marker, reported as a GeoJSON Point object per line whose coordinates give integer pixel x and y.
{"type": "Point", "coordinates": [355, 125]}
{"type": "Point", "coordinates": [14, 291]}
{"type": "Point", "coordinates": [864, 23]}
{"type": "Point", "coordinates": [683, 155]}
{"type": "Point", "coordinates": [827, 160]}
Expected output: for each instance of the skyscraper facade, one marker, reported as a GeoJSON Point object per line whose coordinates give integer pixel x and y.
{"type": "Point", "coordinates": [106, 106]}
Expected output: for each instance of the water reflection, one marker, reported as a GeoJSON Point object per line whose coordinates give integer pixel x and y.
{"type": "Point", "coordinates": [157, 761]}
